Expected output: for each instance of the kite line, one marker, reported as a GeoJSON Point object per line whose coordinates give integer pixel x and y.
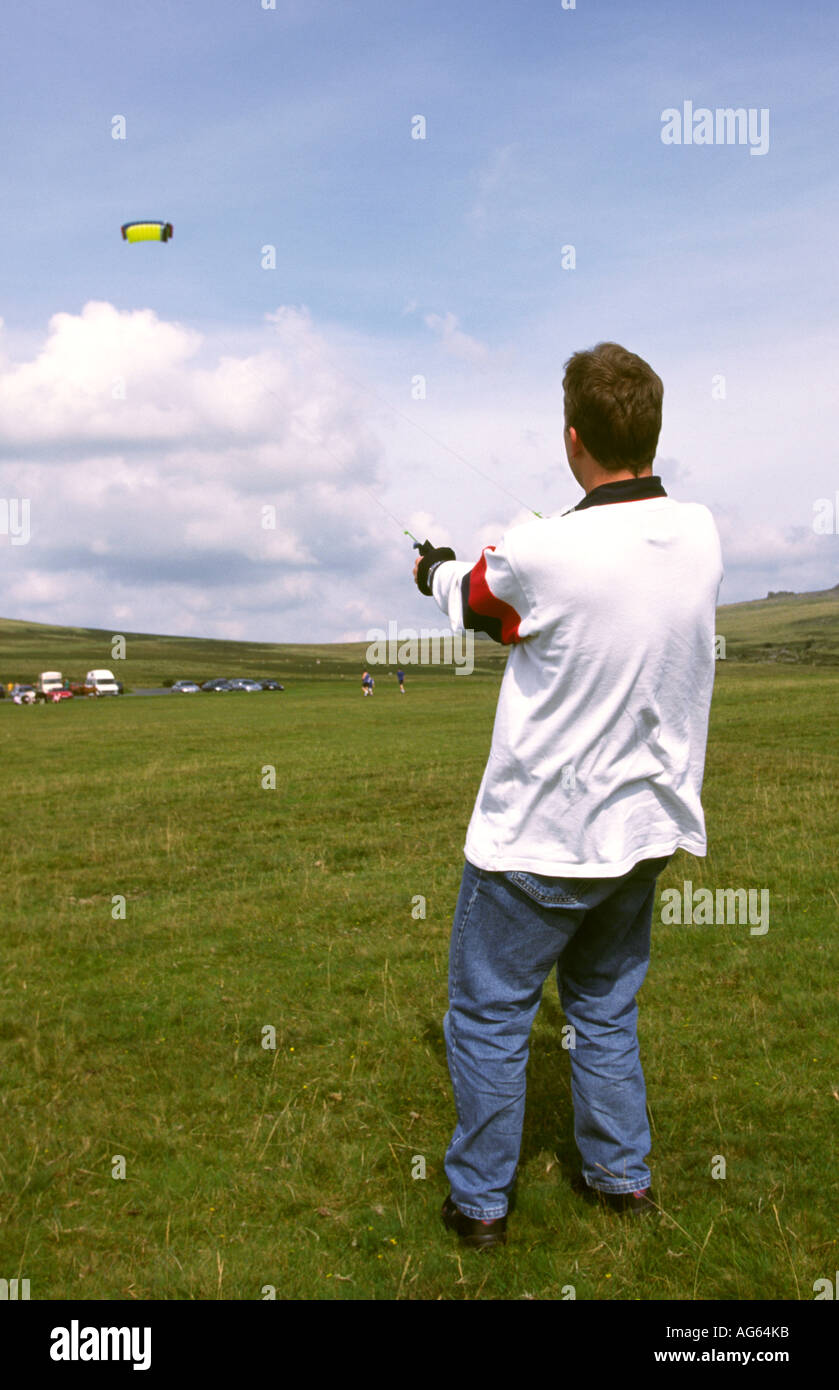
{"type": "Point", "coordinates": [163, 231]}
{"type": "Point", "coordinates": [428, 434]}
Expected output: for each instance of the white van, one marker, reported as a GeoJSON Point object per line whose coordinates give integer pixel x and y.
{"type": "Point", "coordinates": [103, 682]}
{"type": "Point", "coordinates": [48, 681]}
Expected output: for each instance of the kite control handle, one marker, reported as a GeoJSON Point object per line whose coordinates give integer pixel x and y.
{"type": "Point", "coordinates": [431, 557]}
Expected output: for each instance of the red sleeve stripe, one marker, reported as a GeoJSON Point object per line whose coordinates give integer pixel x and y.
{"type": "Point", "coordinates": [483, 611]}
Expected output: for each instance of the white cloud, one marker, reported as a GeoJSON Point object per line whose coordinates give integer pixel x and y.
{"type": "Point", "coordinates": [147, 513]}
{"type": "Point", "coordinates": [455, 341]}
{"type": "Point", "coordinates": [760, 555]}
{"type": "Point", "coordinates": [146, 505]}
{"type": "Point", "coordinates": [72, 388]}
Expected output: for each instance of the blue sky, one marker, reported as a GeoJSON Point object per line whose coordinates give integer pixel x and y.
{"type": "Point", "coordinates": [245, 387]}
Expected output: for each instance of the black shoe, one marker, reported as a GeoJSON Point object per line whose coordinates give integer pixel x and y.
{"type": "Point", "coordinates": [640, 1203]}
{"type": "Point", "coordinates": [479, 1235]}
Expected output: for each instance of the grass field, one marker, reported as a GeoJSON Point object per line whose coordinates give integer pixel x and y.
{"type": "Point", "coordinates": [249, 1166]}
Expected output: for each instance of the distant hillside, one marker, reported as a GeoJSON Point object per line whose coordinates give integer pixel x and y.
{"type": "Point", "coordinates": [26, 649]}
{"type": "Point", "coordinates": [802, 628]}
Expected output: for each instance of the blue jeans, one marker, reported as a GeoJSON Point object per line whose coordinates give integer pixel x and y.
{"type": "Point", "coordinates": [510, 930]}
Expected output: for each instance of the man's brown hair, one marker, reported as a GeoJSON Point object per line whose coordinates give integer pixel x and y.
{"type": "Point", "coordinates": [613, 401]}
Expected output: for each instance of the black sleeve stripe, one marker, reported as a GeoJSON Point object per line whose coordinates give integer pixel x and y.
{"type": "Point", "coordinates": [478, 622]}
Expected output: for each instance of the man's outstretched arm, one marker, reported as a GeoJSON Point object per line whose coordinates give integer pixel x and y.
{"type": "Point", "coordinates": [486, 597]}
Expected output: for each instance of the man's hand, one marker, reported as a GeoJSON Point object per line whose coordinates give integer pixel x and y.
{"type": "Point", "coordinates": [428, 558]}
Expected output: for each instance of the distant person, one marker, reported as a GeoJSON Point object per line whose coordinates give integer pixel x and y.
{"type": "Point", "coordinates": [400, 676]}
{"type": "Point", "coordinates": [367, 684]}
{"type": "Point", "coordinates": [593, 782]}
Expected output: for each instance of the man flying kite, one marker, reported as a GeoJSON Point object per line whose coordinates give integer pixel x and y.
{"type": "Point", "coordinates": [593, 782]}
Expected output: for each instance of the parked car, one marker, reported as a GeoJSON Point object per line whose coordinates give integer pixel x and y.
{"type": "Point", "coordinates": [268, 683]}
{"type": "Point", "coordinates": [242, 683]}
{"type": "Point", "coordinates": [102, 682]}
{"type": "Point", "coordinates": [186, 688]}
{"type": "Point", "coordinates": [218, 685]}
{"type": "Point", "coordinates": [24, 694]}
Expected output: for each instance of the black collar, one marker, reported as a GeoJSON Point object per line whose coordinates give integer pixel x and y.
{"type": "Point", "coordinates": [624, 490]}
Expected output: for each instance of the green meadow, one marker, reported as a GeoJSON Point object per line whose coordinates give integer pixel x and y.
{"type": "Point", "coordinates": [221, 1005]}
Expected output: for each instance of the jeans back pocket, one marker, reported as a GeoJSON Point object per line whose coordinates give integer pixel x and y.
{"type": "Point", "coordinates": [551, 892]}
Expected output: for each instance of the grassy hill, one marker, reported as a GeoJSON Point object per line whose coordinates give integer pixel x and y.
{"type": "Point", "coordinates": [151, 660]}
{"type": "Point", "coordinates": [800, 628]}
{"type": "Point", "coordinates": [790, 628]}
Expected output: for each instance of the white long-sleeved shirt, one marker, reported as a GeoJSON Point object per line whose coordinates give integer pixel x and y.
{"type": "Point", "coordinates": [598, 748]}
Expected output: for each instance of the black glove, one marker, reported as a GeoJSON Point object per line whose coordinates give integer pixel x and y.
{"type": "Point", "coordinates": [430, 558]}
